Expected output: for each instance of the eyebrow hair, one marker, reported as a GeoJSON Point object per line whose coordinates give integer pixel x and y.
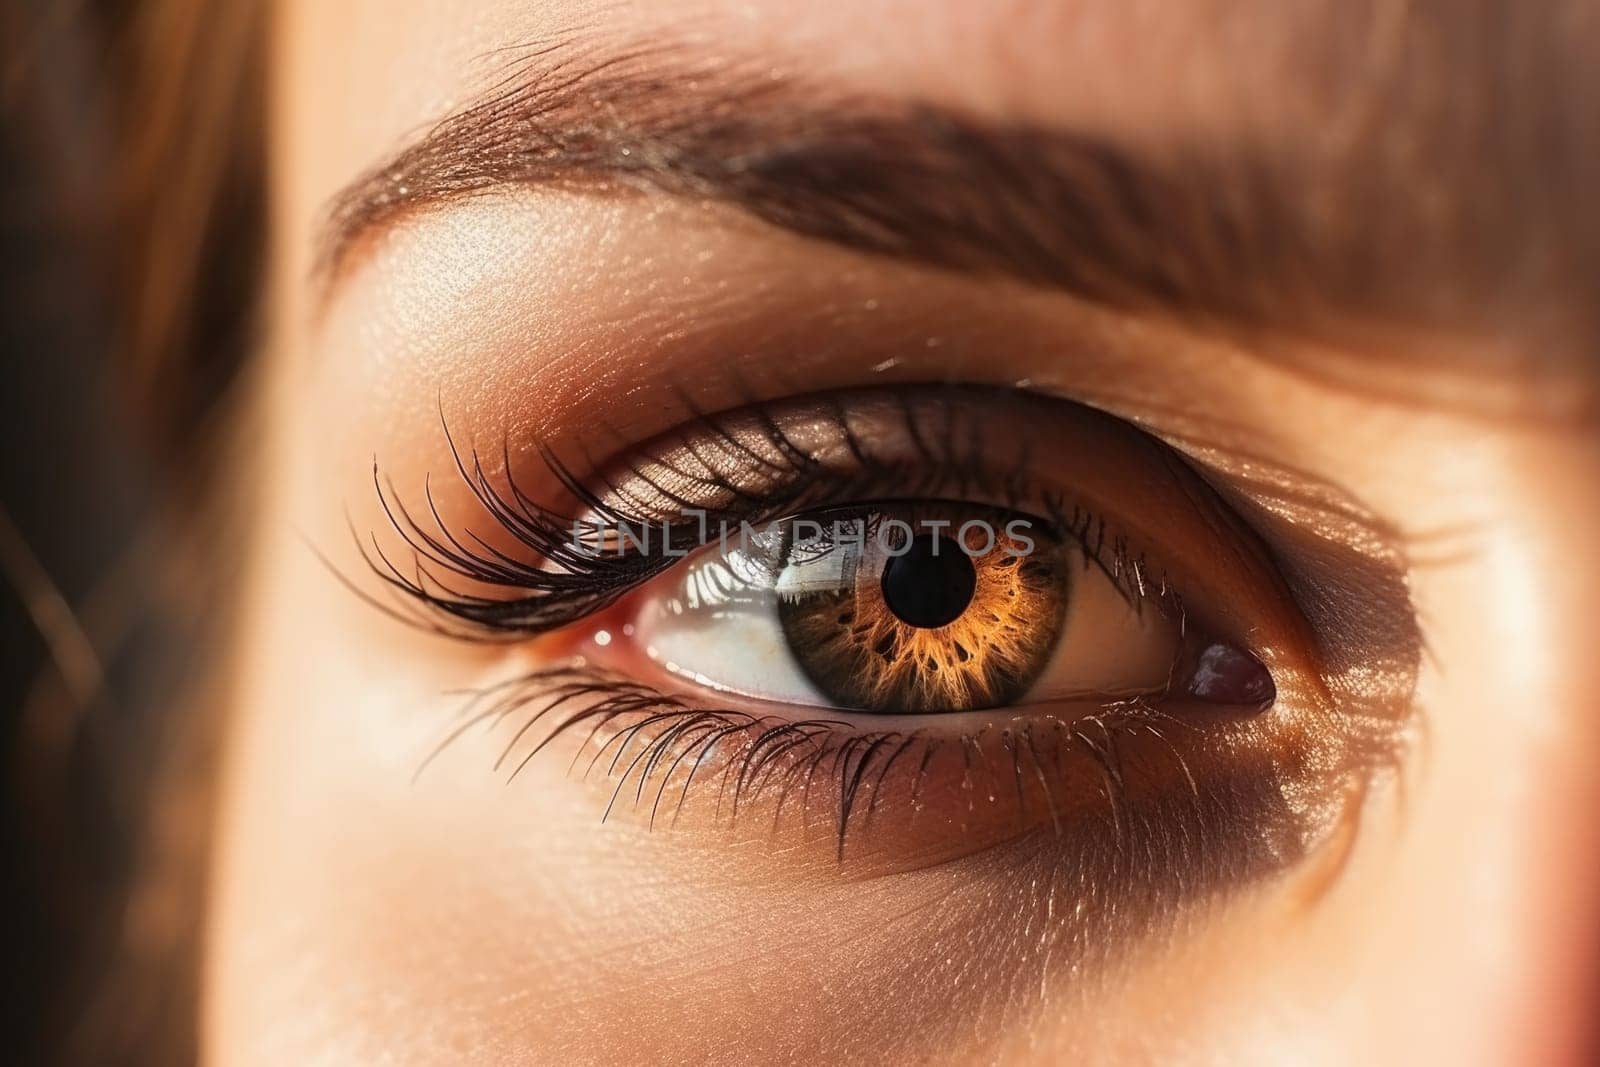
{"type": "Point", "coordinates": [1412, 224]}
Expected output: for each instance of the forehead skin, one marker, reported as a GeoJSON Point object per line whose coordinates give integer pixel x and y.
{"type": "Point", "coordinates": [357, 79]}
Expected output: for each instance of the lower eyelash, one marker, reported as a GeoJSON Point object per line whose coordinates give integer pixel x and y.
{"type": "Point", "coordinates": [657, 748]}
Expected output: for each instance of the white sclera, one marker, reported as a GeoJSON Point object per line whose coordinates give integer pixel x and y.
{"type": "Point", "coordinates": [720, 628]}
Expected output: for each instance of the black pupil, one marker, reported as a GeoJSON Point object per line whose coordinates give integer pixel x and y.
{"type": "Point", "coordinates": [931, 583]}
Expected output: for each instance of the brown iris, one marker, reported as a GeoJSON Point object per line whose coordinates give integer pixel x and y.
{"type": "Point", "coordinates": [950, 608]}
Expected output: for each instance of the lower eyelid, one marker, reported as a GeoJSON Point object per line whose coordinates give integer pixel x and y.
{"type": "Point", "coordinates": [845, 797]}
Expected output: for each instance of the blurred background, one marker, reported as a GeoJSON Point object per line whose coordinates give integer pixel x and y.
{"type": "Point", "coordinates": [72, 496]}
{"type": "Point", "coordinates": [129, 243]}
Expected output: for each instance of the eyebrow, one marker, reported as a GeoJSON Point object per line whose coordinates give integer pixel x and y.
{"type": "Point", "coordinates": [1248, 231]}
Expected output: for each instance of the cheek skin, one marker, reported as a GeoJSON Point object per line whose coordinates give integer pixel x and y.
{"type": "Point", "coordinates": [1522, 796]}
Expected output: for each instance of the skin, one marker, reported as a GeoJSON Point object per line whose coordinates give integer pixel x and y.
{"type": "Point", "coordinates": [358, 915]}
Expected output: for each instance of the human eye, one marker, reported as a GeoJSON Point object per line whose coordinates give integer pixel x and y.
{"type": "Point", "coordinates": [894, 627]}
{"type": "Point", "coordinates": [914, 607]}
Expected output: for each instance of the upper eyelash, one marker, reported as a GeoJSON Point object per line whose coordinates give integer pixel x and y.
{"type": "Point", "coordinates": [563, 584]}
